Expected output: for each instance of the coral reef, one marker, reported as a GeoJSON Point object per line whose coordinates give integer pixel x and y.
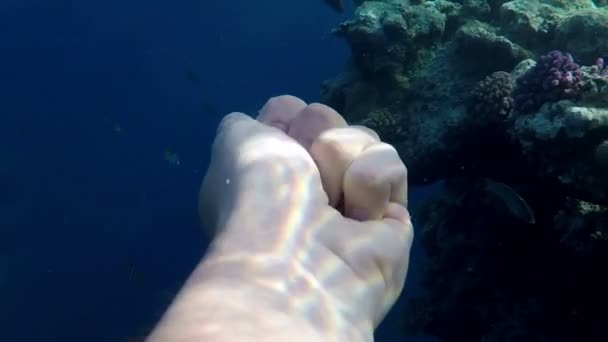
{"type": "Point", "coordinates": [478, 91]}
{"type": "Point", "coordinates": [486, 48]}
{"type": "Point", "coordinates": [554, 77]}
{"type": "Point", "coordinates": [492, 95]}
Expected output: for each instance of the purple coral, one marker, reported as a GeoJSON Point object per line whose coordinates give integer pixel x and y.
{"type": "Point", "coordinates": [554, 77]}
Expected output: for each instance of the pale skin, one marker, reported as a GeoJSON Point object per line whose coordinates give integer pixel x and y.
{"type": "Point", "coordinates": [311, 232]}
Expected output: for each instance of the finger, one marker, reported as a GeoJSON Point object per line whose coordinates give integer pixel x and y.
{"type": "Point", "coordinates": [217, 180]}
{"type": "Point", "coordinates": [396, 214]}
{"type": "Point", "coordinates": [313, 120]}
{"type": "Point", "coordinates": [374, 179]}
{"type": "Point", "coordinates": [246, 155]}
{"type": "Point", "coordinates": [367, 130]}
{"type": "Point", "coordinates": [377, 252]}
{"type": "Point", "coordinates": [231, 131]}
{"type": "Point", "coordinates": [235, 128]}
{"type": "Point", "coordinates": [279, 111]}
{"type": "Point", "coordinates": [393, 255]}
{"type": "Point", "coordinates": [399, 190]}
{"type": "Point", "coordinates": [389, 243]}
{"type": "Point", "coordinates": [243, 140]}
{"type": "Point", "coordinates": [334, 151]}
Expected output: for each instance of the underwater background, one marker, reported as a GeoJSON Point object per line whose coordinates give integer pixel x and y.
{"type": "Point", "coordinates": [499, 109]}
{"type": "Point", "coordinates": [98, 224]}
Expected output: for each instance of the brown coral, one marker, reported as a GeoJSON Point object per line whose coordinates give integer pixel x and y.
{"type": "Point", "coordinates": [492, 95]}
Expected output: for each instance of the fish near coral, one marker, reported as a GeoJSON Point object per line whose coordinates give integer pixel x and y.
{"type": "Point", "coordinates": [601, 154]}
{"type": "Point", "coordinates": [511, 199]}
{"type": "Point", "coordinates": [337, 5]}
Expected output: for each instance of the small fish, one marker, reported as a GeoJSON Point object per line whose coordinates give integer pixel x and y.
{"type": "Point", "coordinates": [134, 274]}
{"type": "Point", "coordinates": [171, 157]}
{"type": "Point", "coordinates": [512, 200]}
{"type": "Point", "coordinates": [337, 5]}
{"type": "Point", "coordinates": [117, 128]}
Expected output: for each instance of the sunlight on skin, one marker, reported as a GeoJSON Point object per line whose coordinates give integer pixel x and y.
{"type": "Point", "coordinates": [313, 120]}
{"type": "Point", "coordinates": [279, 111]}
{"type": "Point", "coordinates": [285, 263]}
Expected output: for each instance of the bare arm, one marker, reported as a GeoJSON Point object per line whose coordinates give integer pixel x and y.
{"type": "Point", "coordinates": [220, 312]}
{"type": "Point", "coordinates": [228, 301]}
{"type": "Point", "coordinates": [285, 265]}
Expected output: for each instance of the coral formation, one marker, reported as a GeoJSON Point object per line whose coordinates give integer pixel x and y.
{"type": "Point", "coordinates": [492, 95]}
{"type": "Point", "coordinates": [554, 77]}
{"type": "Point", "coordinates": [507, 91]}
{"type": "Point", "coordinates": [483, 46]}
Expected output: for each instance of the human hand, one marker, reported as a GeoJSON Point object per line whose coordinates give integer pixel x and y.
{"type": "Point", "coordinates": [276, 190]}
{"type": "Point", "coordinates": [309, 209]}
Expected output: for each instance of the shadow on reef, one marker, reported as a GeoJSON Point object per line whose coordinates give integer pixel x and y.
{"type": "Point", "coordinates": [482, 94]}
{"type": "Point", "coordinates": [492, 276]}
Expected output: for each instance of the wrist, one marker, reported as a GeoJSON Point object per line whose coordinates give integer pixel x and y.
{"type": "Point", "coordinates": [227, 307]}
{"type": "Point", "coordinates": [279, 285]}
{"type": "Point", "coordinates": [221, 311]}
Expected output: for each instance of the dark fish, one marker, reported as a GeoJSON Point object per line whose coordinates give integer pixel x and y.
{"type": "Point", "coordinates": [512, 200]}
{"type": "Point", "coordinates": [337, 5]}
{"type": "Point", "coordinates": [134, 275]}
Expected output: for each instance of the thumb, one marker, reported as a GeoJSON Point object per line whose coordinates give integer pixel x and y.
{"type": "Point", "coordinates": [376, 178]}
{"type": "Point", "coordinates": [356, 167]}
{"type": "Point", "coordinates": [334, 151]}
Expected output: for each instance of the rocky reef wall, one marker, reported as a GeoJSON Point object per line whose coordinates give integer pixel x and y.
{"type": "Point", "coordinates": [507, 103]}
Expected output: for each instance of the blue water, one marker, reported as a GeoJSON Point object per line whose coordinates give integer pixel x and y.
{"type": "Point", "coordinates": [97, 229]}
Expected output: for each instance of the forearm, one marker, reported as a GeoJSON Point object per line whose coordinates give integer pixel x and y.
{"type": "Point", "coordinates": [229, 300]}
{"type": "Point", "coordinates": [223, 312]}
